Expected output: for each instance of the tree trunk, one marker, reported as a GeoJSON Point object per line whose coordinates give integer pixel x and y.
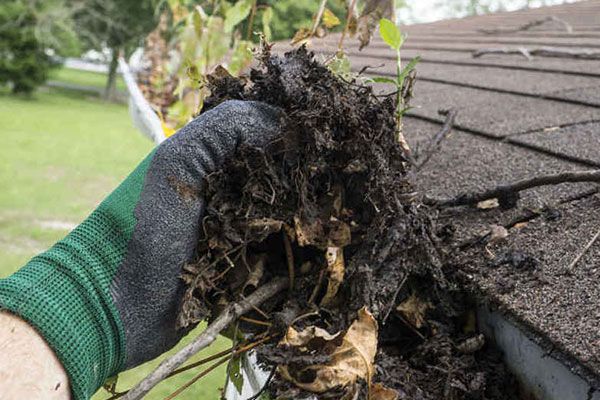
{"type": "Point", "coordinates": [111, 84]}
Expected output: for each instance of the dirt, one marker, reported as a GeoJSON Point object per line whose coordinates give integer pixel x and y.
{"type": "Point", "coordinates": [332, 205]}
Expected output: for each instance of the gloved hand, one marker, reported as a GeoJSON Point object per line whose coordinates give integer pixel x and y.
{"type": "Point", "coordinates": [106, 297]}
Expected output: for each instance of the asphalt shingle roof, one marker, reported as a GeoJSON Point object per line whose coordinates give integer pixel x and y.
{"type": "Point", "coordinates": [516, 118]}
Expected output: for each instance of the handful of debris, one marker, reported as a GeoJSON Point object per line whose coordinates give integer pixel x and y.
{"type": "Point", "coordinates": [330, 208]}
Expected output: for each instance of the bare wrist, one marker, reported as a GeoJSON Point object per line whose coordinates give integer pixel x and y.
{"type": "Point", "coordinates": [29, 369]}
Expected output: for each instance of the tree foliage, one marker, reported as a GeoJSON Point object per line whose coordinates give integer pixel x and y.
{"type": "Point", "coordinates": [23, 62]}
{"type": "Point", "coordinates": [29, 32]}
{"type": "Point", "coordinates": [289, 16]}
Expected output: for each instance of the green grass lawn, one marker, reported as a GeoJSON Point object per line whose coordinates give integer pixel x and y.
{"type": "Point", "coordinates": [61, 154]}
{"type": "Point", "coordinates": [83, 78]}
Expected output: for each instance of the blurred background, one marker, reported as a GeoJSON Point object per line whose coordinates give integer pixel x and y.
{"type": "Point", "coordinates": [68, 133]}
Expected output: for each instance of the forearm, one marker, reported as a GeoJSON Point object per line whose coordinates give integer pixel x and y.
{"type": "Point", "coordinates": [29, 369]}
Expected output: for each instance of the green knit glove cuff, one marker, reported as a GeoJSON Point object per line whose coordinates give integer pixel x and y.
{"type": "Point", "coordinates": [65, 292]}
{"type": "Point", "coordinates": [71, 310]}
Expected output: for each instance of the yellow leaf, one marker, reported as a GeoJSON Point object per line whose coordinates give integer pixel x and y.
{"type": "Point", "coordinates": [167, 130]}
{"type": "Point", "coordinates": [330, 19]}
{"type": "Point", "coordinates": [351, 360]}
{"type": "Point", "coordinates": [302, 35]}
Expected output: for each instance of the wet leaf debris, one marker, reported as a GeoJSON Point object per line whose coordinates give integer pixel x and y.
{"type": "Point", "coordinates": [372, 310]}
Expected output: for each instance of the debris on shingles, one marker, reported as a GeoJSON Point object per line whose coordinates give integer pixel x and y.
{"type": "Point", "coordinates": [516, 259]}
{"type": "Point", "coordinates": [372, 311]}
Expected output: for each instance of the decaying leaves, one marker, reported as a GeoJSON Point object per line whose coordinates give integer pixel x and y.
{"type": "Point", "coordinates": [309, 232]}
{"type": "Point", "coordinates": [471, 345]}
{"type": "Point", "coordinates": [380, 392]}
{"type": "Point", "coordinates": [255, 274]}
{"type": "Point", "coordinates": [352, 357]}
{"type": "Point", "coordinates": [497, 233]}
{"type": "Point", "coordinates": [414, 310]}
{"type": "Point", "coordinates": [373, 11]}
{"type": "Point", "coordinates": [488, 204]}
{"type": "Point", "coordinates": [336, 270]}
{"type": "Point", "coordinates": [312, 233]}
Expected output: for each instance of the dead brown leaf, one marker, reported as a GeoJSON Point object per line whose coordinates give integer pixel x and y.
{"type": "Point", "coordinates": [255, 274]}
{"type": "Point", "coordinates": [488, 204]}
{"type": "Point", "coordinates": [471, 345]}
{"type": "Point", "coordinates": [336, 269]}
{"type": "Point", "coordinates": [351, 359]}
{"type": "Point", "coordinates": [339, 233]}
{"type": "Point", "coordinates": [380, 392]}
{"type": "Point", "coordinates": [414, 310]}
{"type": "Point", "coordinates": [373, 11]}
{"type": "Point", "coordinates": [309, 232]}
{"type": "Point", "coordinates": [301, 35]}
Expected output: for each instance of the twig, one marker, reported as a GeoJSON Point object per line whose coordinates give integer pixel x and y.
{"type": "Point", "coordinates": [436, 140]}
{"type": "Point", "coordinates": [197, 377]}
{"type": "Point", "coordinates": [251, 21]}
{"type": "Point", "coordinates": [209, 335]}
{"type": "Point", "coordinates": [586, 54]}
{"type": "Point", "coordinates": [528, 26]}
{"type": "Point", "coordinates": [583, 251]}
{"type": "Point", "coordinates": [255, 321]}
{"type": "Point", "coordinates": [347, 26]}
{"type": "Point", "coordinates": [289, 255]}
{"type": "Point", "coordinates": [393, 302]}
{"type": "Point", "coordinates": [318, 17]}
{"type": "Point", "coordinates": [317, 288]}
{"type": "Point", "coordinates": [508, 194]}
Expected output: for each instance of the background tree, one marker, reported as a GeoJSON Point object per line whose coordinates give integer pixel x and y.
{"type": "Point", "coordinates": [119, 25]}
{"type": "Point", "coordinates": [30, 32]}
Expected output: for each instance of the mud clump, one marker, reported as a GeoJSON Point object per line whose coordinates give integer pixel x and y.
{"type": "Point", "coordinates": [371, 310]}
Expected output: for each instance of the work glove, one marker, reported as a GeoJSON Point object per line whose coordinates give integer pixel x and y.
{"type": "Point", "coordinates": [106, 297]}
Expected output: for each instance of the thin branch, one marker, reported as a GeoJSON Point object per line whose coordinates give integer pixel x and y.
{"type": "Point", "coordinates": [584, 54]}
{"type": "Point", "coordinates": [508, 194]}
{"type": "Point", "coordinates": [351, 8]}
{"type": "Point", "coordinates": [196, 378]}
{"type": "Point", "coordinates": [317, 18]}
{"type": "Point", "coordinates": [251, 21]}
{"type": "Point", "coordinates": [434, 144]}
{"type": "Point", "coordinates": [583, 251]}
{"type": "Point", "coordinates": [393, 302]}
{"type": "Point", "coordinates": [289, 255]}
{"type": "Point", "coordinates": [207, 337]}
{"type": "Point", "coordinates": [528, 26]}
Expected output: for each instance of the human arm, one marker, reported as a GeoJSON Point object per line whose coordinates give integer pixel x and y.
{"type": "Point", "coordinates": [29, 369]}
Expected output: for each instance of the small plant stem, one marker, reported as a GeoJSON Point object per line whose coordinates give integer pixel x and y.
{"type": "Point", "coordinates": [231, 313]}
{"type": "Point", "coordinates": [289, 253]}
{"type": "Point", "coordinates": [318, 16]}
{"type": "Point", "coordinates": [201, 362]}
{"type": "Point", "coordinates": [436, 140]}
{"type": "Point", "coordinates": [400, 105]}
{"type": "Point", "coordinates": [255, 321]}
{"type": "Point", "coordinates": [346, 27]}
{"type": "Point", "coordinates": [251, 21]}
{"type": "Point", "coordinates": [234, 352]}
{"type": "Point", "coordinates": [581, 254]}
{"type": "Point", "coordinates": [197, 378]}
{"type": "Point", "coordinates": [317, 287]}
